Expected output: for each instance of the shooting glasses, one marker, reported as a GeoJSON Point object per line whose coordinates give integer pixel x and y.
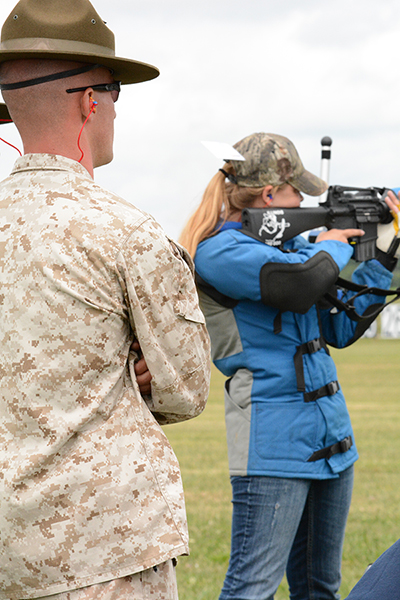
{"type": "Point", "coordinates": [114, 88]}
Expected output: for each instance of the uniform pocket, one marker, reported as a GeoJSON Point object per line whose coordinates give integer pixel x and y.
{"type": "Point", "coordinates": [186, 301]}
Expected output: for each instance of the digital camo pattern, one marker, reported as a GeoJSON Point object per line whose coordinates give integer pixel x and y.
{"type": "Point", "coordinates": [272, 159]}
{"type": "Point", "coordinates": [157, 583]}
{"type": "Point", "coordinates": [90, 489]}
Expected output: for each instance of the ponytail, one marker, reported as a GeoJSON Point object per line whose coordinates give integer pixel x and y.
{"type": "Point", "coordinates": [203, 222]}
{"type": "Point", "coordinates": [219, 201]}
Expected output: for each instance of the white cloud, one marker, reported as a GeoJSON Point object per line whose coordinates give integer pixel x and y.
{"type": "Point", "coordinates": [230, 68]}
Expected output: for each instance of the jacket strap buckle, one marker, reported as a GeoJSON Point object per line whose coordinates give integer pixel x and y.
{"type": "Point", "coordinates": [338, 448]}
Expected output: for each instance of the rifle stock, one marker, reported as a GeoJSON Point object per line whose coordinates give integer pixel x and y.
{"type": "Point", "coordinates": [345, 208]}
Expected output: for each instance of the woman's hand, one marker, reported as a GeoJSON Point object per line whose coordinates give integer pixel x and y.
{"type": "Point", "coordinates": [340, 235]}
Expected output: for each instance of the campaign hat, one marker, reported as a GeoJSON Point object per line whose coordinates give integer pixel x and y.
{"type": "Point", "coordinates": [66, 30]}
{"type": "Point", "coordinates": [272, 159]}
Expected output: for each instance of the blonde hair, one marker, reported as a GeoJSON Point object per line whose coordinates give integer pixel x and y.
{"type": "Point", "coordinates": [219, 201]}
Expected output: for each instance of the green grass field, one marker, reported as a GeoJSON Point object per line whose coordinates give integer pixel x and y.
{"type": "Point", "coordinates": [369, 376]}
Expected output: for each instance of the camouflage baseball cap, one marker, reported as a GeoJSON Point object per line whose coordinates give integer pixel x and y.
{"type": "Point", "coordinates": [272, 159]}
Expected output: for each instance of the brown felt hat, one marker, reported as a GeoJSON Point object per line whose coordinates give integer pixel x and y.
{"type": "Point", "coordinates": [4, 114]}
{"type": "Point", "coordinates": [68, 30]}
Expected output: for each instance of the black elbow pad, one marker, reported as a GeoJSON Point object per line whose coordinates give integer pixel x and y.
{"type": "Point", "coordinates": [296, 287]}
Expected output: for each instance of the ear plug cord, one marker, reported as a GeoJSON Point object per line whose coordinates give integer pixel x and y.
{"type": "Point", "coordinates": [92, 110]}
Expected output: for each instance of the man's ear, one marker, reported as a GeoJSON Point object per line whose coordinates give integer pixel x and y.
{"type": "Point", "coordinates": [87, 102]}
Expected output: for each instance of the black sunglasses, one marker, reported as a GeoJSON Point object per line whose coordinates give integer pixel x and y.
{"type": "Point", "coordinates": [114, 88]}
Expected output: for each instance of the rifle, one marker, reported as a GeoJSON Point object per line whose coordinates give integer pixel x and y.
{"type": "Point", "coordinates": [344, 208]}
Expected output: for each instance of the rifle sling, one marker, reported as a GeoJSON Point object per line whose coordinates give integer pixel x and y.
{"type": "Point", "coordinates": [348, 306]}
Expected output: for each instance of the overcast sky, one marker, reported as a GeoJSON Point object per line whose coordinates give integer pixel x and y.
{"type": "Point", "coordinates": [230, 68]}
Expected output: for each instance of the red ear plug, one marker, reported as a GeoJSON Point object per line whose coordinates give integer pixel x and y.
{"type": "Point", "coordinates": [92, 103]}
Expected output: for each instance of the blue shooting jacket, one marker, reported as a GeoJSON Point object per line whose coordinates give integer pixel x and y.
{"type": "Point", "coordinates": [271, 429]}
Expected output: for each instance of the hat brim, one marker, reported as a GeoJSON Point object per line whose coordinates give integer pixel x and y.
{"type": "Point", "coordinates": [124, 70]}
{"type": "Point", "coordinates": [309, 184]}
{"type": "Point", "coordinates": [4, 114]}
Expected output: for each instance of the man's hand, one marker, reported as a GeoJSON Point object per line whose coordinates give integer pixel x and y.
{"type": "Point", "coordinates": [340, 235]}
{"type": "Point", "coordinates": [143, 375]}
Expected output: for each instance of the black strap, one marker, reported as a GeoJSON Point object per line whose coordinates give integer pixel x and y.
{"type": "Point", "coordinates": [387, 259]}
{"type": "Point", "coordinates": [46, 78]}
{"type": "Point", "coordinates": [212, 292]}
{"type": "Point", "coordinates": [278, 323]}
{"type": "Point", "coordinates": [307, 348]}
{"type": "Point", "coordinates": [229, 176]}
{"type": "Point", "coordinates": [348, 306]}
{"type": "Point", "coordinates": [327, 390]}
{"type": "Point", "coordinates": [329, 451]}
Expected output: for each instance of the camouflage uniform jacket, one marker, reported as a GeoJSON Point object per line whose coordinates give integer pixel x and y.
{"type": "Point", "coordinates": [90, 489]}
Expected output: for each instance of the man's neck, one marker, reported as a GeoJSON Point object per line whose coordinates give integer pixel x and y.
{"type": "Point", "coordinates": [69, 151]}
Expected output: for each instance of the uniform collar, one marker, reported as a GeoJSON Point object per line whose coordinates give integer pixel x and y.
{"type": "Point", "coordinates": [49, 162]}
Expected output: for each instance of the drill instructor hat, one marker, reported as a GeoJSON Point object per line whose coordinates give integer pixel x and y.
{"type": "Point", "coordinates": [68, 30]}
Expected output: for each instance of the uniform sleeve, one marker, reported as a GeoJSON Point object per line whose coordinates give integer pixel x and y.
{"type": "Point", "coordinates": [293, 280]}
{"type": "Point", "coordinates": [167, 321]}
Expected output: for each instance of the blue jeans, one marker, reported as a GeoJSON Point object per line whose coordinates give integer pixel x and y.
{"type": "Point", "coordinates": [292, 524]}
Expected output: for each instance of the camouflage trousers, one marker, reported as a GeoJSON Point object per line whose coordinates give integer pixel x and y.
{"type": "Point", "coordinates": [157, 583]}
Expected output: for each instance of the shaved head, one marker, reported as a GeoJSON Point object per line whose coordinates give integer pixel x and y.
{"type": "Point", "coordinates": [46, 104]}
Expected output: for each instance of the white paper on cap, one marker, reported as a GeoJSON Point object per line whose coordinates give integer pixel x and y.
{"type": "Point", "coordinates": [223, 151]}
